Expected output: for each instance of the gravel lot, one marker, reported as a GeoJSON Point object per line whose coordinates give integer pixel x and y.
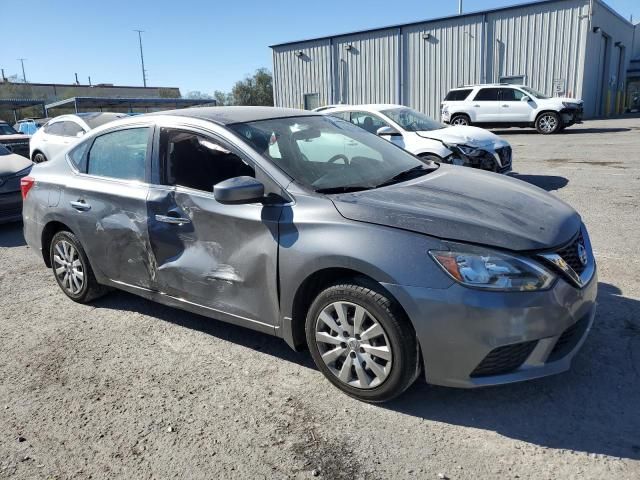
{"type": "Point", "coordinates": [131, 389]}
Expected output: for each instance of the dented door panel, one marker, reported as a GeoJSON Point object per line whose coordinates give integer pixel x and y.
{"type": "Point", "coordinates": [224, 257]}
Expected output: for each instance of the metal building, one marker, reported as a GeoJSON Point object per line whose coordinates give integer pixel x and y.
{"type": "Point", "coordinates": [579, 48]}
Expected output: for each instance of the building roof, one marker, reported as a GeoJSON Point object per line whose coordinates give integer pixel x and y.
{"type": "Point", "coordinates": [230, 115]}
{"type": "Point", "coordinates": [18, 103]}
{"type": "Point", "coordinates": [111, 102]}
{"type": "Point", "coordinates": [447, 17]}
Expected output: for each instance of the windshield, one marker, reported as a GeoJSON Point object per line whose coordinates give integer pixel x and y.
{"type": "Point", "coordinates": [535, 93]}
{"type": "Point", "coordinates": [6, 129]}
{"type": "Point", "coordinates": [329, 154]}
{"type": "Point", "coordinates": [411, 120]}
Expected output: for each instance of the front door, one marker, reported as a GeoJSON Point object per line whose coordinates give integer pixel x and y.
{"type": "Point", "coordinates": [223, 257]}
{"type": "Point", "coordinates": [514, 108]}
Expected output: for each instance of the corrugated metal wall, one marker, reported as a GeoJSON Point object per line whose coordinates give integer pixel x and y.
{"type": "Point", "coordinates": [545, 43]}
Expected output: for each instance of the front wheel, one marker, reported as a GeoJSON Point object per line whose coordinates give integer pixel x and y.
{"type": "Point", "coordinates": [548, 122]}
{"type": "Point", "coordinates": [72, 270]}
{"type": "Point", "coordinates": [362, 342]}
{"type": "Point", "coordinates": [39, 158]}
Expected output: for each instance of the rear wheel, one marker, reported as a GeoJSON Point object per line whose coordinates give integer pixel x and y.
{"type": "Point", "coordinates": [548, 122]}
{"type": "Point", "coordinates": [362, 342]}
{"type": "Point", "coordinates": [39, 157]}
{"type": "Point", "coordinates": [460, 119]}
{"type": "Point", "coordinates": [72, 270]}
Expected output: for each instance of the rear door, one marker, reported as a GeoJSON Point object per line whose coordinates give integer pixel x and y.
{"type": "Point", "coordinates": [486, 105]}
{"type": "Point", "coordinates": [106, 202]}
{"type": "Point", "coordinates": [223, 257]}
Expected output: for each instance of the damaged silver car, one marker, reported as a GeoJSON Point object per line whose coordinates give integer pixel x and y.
{"type": "Point", "coordinates": [307, 227]}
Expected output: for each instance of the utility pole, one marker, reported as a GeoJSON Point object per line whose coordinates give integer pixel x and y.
{"type": "Point", "coordinates": [144, 72]}
{"type": "Point", "coordinates": [24, 76]}
{"type": "Point", "coordinates": [459, 7]}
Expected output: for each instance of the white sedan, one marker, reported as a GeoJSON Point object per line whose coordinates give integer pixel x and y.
{"type": "Point", "coordinates": [429, 139]}
{"type": "Point", "coordinates": [62, 132]}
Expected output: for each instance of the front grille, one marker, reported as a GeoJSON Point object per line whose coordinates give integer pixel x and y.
{"type": "Point", "coordinates": [569, 339]}
{"type": "Point", "coordinates": [504, 153]}
{"type": "Point", "coordinates": [571, 255]}
{"type": "Point", "coordinates": [504, 359]}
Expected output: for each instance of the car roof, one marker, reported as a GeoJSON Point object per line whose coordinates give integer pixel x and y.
{"type": "Point", "coordinates": [374, 107]}
{"type": "Point", "coordinates": [237, 114]}
{"type": "Point", "coordinates": [466, 87]}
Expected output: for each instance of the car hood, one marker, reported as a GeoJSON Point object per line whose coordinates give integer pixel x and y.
{"type": "Point", "coordinates": [467, 205]}
{"type": "Point", "coordinates": [12, 163]}
{"type": "Point", "coordinates": [465, 135]}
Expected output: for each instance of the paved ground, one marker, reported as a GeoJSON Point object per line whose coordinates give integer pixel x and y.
{"type": "Point", "coordinates": [131, 389]}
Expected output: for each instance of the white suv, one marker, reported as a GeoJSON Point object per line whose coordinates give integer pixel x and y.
{"type": "Point", "coordinates": [506, 105]}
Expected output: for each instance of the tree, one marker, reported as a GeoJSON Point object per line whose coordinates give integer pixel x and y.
{"type": "Point", "coordinates": [223, 98]}
{"type": "Point", "coordinates": [255, 90]}
{"type": "Point", "coordinates": [198, 95]}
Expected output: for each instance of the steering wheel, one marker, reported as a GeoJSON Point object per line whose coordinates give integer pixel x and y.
{"type": "Point", "coordinates": [337, 157]}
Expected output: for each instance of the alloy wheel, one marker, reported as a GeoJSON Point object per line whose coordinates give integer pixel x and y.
{"type": "Point", "coordinates": [353, 345]}
{"type": "Point", "coordinates": [548, 123]}
{"type": "Point", "coordinates": [68, 267]}
{"type": "Point", "coordinates": [460, 121]}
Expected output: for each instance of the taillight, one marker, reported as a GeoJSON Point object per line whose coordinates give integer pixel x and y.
{"type": "Point", "coordinates": [25, 185]}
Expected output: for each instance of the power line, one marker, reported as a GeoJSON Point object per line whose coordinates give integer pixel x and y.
{"type": "Point", "coordinates": [144, 72]}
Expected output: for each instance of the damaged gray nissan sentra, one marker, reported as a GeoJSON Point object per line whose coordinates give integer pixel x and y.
{"type": "Point", "coordinates": [307, 227]}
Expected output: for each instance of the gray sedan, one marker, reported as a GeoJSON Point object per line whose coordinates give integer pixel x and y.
{"type": "Point", "coordinates": [13, 168]}
{"type": "Point", "coordinates": [307, 227]}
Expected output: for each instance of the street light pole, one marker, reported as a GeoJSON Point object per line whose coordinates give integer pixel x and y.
{"type": "Point", "coordinates": [459, 7]}
{"type": "Point", "coordinates": [24, 76]}
{"type": "Point", "coordinates": [144, 72]}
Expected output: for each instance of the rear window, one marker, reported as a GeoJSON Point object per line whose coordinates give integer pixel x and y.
{"type": "Point", "coordinates": [458, 95]}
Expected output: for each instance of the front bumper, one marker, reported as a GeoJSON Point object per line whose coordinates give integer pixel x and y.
{"type": "Point", "coordinates": [571, 116]}
{"type": "Point", "coordinates": [493, 160]}
{"type": "Point", "coordinates": [472, 338]}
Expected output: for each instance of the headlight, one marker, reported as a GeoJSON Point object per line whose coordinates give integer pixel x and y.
{"type": "Point", "coordinates": [493, 270]}
{"type": "Point", "coordinates": [569, 105]}
{"type": "Point", "coordinates": [470, 151]}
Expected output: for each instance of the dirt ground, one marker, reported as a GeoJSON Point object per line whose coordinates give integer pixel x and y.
{"type": "Point", "coordinates": [126, 388]}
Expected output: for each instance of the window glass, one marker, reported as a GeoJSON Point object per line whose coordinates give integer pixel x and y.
{"type": "Point", "coordinates": [120, 154]}
{"type": "Point", "coordinates": [6, 129]}
{"type": "Point", "coordinates": [195, 161]}
{"type": "Point", "coordinates": [71, 129]}
{"type": "Point", "coordinates": [487, 95]}
{"type": "Point", "coordinates": [535, 93]}
{"type": "Point", "coordinates": [411, 120]}
{"type": "Point", "coordinates": [458, 95]}
{"type": "Point", "coordinates": [56, 128]}
{"type": "Point", "coordinates": [371, 123]}
{"type": "Point", "coordinates": [329, 154]}
{"type": "Point", "coordinates": [78, 157]}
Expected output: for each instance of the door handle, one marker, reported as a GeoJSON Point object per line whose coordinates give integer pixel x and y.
{"type": "Point", "coordinates": [476, 105]}
{"type": "Point", "coordinates": [172, 220]}
{"type": "Point", "coordinates": [505, 106]}
{"type": "Point", "coordinates": [81, 206]}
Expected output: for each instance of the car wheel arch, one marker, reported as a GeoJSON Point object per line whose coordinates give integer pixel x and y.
{"type": "Point", "coordinates": [48, 232]}
{"type": "Point", "coordinates": [309, 289]}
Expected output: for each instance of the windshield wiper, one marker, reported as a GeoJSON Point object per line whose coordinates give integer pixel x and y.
{"type": "Point", "coordinates": [413, 172]}
{"type": "Point", "coordinates": [344, 189]}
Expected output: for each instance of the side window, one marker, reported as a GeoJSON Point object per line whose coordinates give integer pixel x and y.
{"type": "Point", "coordinates": [457, 95]}
{"type": "Point", "coordinates": [78, 156]}
{"type": "Point", "coordinates": [55, 128]}
{"type": "Point", "coordinates": [518, 95]}
{"type": "Point", "coordinates": [487, 95]}
{"type": "Point", "coordinates": [510, 95]}
{"type": "Point", "coordinates": [121, 154]}
{"type": "Point", "coordinates": [366, 120]}
{"type": "Point", "coordinates": [195, 161]}
{"type": "Point", "coordinates": [71, 129]}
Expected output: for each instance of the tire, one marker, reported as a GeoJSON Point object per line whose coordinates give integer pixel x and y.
{"type": "Point", "coordinates": [548, 123]}
{"type": "Point", "coordinates": [72, 270]}
{"type": "Point", "coordinates": [460, 119]}
{"type": "Point", "coordinates": [39, 157]}
{"type": "Point", "coordinates": [384, 330]}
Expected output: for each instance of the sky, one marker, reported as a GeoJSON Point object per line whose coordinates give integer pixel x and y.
{"type": "Point", "coordinates": [196, 45]}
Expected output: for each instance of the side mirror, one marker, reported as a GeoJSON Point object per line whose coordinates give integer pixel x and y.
{"type": "Point", "coordinates": [526, 98]}
{"type": "Point", "coordinates": [238, 190]}
{"type": "Point", "coordinates": [388, 131]}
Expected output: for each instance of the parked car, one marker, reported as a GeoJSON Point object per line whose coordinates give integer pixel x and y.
{"type": "Point", "coordinates": [428, 139]}
{"type": "Point", "coordinates": [506, 105]}
{"type": "Point", "coordinates": [64, 131]}
{"type": "Point", "coordinates": [12, 140]}
{"type": "Point", "coordinates": [378, 262]}
{"type": "Point", "coordinates": [29, 126]}
{"type": "Point", "coordinates": [13, 168]}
